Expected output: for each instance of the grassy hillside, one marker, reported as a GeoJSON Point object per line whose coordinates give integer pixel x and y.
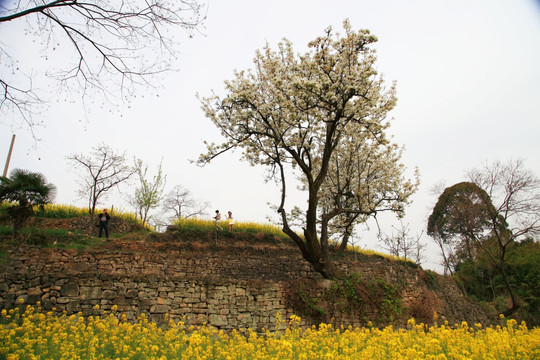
{"type": "Point", "coordinates": [68, 226]}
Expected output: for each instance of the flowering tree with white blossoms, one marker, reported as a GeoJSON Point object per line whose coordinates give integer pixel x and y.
{"type": "Point", "coordinates": [313, 113]}
{"type": "Point", "coordinates": [365, 178]}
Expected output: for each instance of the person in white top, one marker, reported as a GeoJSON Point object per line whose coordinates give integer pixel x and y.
{"type": "Point", "coordinates": [217, 218]}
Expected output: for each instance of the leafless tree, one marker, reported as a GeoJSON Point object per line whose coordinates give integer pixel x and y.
{"type": "Point", "coordinates": [106, 47]}
{"type": "Point", "coordinates": [180, 202]}
{"type": "Point", "coordinates": [401, 244]}
{"type": "Point", "coordinates": [447, 252]}
{"type": "Point", "coordinates": [515, 193]}
{"type": "Point", "coordinates": [103, 170]}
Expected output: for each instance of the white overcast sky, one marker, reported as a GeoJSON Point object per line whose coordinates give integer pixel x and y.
{"type": "Point", "coordinates": [468, 87]}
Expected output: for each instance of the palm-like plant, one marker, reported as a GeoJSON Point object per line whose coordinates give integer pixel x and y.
{"type": "Point", "coordinates": [24, 190]}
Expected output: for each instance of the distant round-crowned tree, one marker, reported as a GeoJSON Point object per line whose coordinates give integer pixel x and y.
{"type": "Point", "coordinates": [24, 190]}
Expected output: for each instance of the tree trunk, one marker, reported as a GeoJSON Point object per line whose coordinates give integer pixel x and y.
{"type": "Point", "coordinates": [515, 304]}
{"type": "Point", "coordinates": [327, 269]}
{"type": "Point", "coordinates": [344, 241]}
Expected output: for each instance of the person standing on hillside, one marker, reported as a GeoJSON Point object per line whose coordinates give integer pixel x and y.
{"type": "Point", "coordinates": [217, 218]}
{"type": "Point", "coordinates": [230, 221]}
{"type": "Point", "coordinates": [104, 223]}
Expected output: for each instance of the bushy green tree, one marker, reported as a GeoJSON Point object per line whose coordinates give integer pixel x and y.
{"type": "Point", "coordinates": [482, 280]}
{"type": "Point", "coordinates": [524, 271]}
{"type": "Point", "coordinates": [485, 219]}
{"type": "Point", "coordinates": [24, 189]}
{"type": "Point", "coordinates": [149, 194]}
{"type": "Point", "coordinates": [461, 217]}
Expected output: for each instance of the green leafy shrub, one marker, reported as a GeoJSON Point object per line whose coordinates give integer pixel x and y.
{"type": "Point", "coordinates": [432, 280]}
{"type": "Point", "coordinates": [353, 295]}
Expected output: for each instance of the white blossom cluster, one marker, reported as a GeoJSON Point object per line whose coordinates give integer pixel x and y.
{"type": "Point", "coordinates": [323, 115]}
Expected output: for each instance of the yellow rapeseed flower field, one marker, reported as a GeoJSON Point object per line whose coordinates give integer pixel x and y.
{"type": "Point", "coordinates": [37, 335]}
{"type": "Point", "coordinates": [239, 226]}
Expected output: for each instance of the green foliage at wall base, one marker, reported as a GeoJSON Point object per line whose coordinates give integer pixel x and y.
{"type": "Point", "coordinates": [352, 297]}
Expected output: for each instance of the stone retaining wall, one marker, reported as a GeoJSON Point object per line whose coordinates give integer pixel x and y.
{"type": "Point", "coordinates": [222, 289]}
{"type": "Point", "coordinates": [229, 286]}
{"type": "Point", "coordinates": [228, 305]}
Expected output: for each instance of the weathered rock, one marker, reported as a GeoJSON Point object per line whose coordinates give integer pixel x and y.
{"type": "Point", "coordinates": [109, 294]}
{"type": "Point", "coordinates": [90, 292]}
{"type": "Point", "coordinates": [63, 300]}
{"type": "Point", "coordinates": [132, 294]}
{"type": "Point", "coordinates": [159, 309]}
{"type": "Point", "coordinates": [218, 320]}
{"type": "Point", "coordinates": [70, 289]}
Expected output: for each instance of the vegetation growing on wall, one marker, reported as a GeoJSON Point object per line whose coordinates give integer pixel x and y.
{"type": "Point", "coordinates": [354, 295]}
